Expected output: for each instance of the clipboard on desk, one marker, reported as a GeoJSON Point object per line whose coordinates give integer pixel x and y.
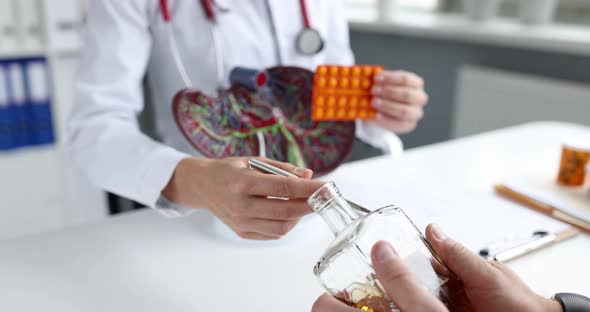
{"type": "Point", "coordinates": [566, 204]}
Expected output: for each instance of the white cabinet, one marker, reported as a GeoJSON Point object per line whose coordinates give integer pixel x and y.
{"type": "Point", "coordinates": [39, 188]}
{"type": "Point", "coordinates": [32, 193]}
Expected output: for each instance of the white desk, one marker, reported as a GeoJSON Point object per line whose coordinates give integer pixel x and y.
{"type": "Point", "coordinates": [143, 262]}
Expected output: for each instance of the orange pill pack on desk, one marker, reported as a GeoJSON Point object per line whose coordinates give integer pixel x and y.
{"type": "Point", "coordinates": [343, 92]}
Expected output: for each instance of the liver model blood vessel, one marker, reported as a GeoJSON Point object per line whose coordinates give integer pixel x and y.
{"type": "Point", "coordinates": [264, 112]}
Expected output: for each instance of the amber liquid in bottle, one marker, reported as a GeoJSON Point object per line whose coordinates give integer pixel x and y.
{"type": "Point", "coordinates": [373, 298]}
{"type": "Point", "coordinates": [366, 296]}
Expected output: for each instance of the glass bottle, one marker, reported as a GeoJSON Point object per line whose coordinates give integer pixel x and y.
{"type": "Point", "coordinates": [345, 269]}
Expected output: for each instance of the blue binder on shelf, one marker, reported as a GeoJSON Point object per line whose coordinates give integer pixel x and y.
{"type": "Point", "coordinates": [18, 108]}
{"type": "Point", "coordinates": [6, 119]}
{"type": "Point", "coordinates": [39, 101]}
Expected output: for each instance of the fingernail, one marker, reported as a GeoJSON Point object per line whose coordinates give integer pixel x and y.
{"type": "Point", "coordinates": [376, 90]}
{"type": "Point", "coordinates": [380, 116]}
{"type": "Point", "coordinates": [379, 78]}
{"type": "Point", "coordinates": [384, 253]}
{"type": "Point", "coordinates": [303, 172]}
{"type": "Point", "coordinates": [438, 232]}
{"type": "Point", "coordinates": [377, 103]}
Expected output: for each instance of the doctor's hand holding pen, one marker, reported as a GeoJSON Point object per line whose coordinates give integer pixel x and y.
{"type": "Point", "coordinates": [239, 196]}
{"type": "Point", "coordinates": [489, 286]}
{"type": "Point", "coordinates": [399, 98]}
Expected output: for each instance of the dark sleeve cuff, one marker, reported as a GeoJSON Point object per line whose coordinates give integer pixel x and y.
{"type": "Point", "coordinates": [573, 302]}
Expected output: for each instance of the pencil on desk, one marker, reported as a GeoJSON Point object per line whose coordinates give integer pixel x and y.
{"type": "Point", "coordinates": [542, 207]}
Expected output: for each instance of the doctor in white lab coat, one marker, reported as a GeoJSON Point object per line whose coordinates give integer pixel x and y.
{"type": "Point", "coordinates": [127, 39]}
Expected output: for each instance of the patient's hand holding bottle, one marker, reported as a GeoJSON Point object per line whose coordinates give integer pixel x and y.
{"type": "Point", "coordinates": [346, 270]}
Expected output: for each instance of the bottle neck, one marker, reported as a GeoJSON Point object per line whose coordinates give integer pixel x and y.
{"type": "Point", "coordinates": [332, 207]}
{"type": "Point", "coordinates": [338, 215]}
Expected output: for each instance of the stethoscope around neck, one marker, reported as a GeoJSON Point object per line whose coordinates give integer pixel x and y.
{"type": "Point", "coordinates": [308, 41]}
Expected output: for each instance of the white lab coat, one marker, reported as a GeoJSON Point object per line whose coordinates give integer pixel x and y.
{"type": "Point", "coordinates": [127, 38]}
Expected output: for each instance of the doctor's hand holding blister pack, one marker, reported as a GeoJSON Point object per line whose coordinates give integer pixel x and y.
{"type": "Point", "coordinates": [196, 43]}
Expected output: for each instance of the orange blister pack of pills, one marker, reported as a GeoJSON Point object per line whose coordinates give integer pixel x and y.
{"type": "Point", "coordinates": [343, 92]}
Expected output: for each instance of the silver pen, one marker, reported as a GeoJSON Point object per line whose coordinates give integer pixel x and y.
{"type": "Point", "coordinates": [268, 168]}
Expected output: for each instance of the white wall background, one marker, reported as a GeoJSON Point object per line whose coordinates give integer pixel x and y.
{"type": "Point", "coordinates": [488, 99]}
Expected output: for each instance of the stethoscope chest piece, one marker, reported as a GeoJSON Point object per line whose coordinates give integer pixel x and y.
{"type": "Point", "coordinates": [309, 41]}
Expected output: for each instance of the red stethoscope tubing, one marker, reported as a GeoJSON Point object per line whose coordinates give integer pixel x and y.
{"type": "Point", "coordinates": [210, 13]}
{"type": "Point", "coordinates": [165, 10]}
{"type": "Point", "coordinates": [208, 7]}
{"type": "Point", "coordinates": [306, 22]}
